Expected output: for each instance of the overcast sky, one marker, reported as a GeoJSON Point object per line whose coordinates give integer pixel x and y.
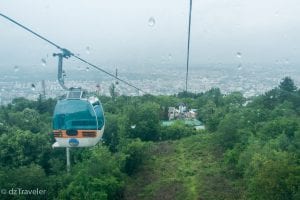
{"type": "Point", "coordinates": [118, 33]}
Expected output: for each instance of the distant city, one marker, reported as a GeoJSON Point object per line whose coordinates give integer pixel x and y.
{"type": "Point", "coordinates": [250, 79]}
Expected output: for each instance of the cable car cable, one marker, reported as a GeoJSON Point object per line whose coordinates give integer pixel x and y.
{"type": "Point", "coordinates": [188, 47]}
{"type": "Point", "coordinates": [31, 31]}
{"type": "Point", "coordinates": [96, 67]}
{"type": "Point", "coordinates": [69, 53]}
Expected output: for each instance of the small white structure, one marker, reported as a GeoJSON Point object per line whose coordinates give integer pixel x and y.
{"type": "Point", "coordinates": [181, 113]}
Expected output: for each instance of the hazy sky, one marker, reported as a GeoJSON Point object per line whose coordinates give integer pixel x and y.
{"type": "Point", "coordinates": [117, 32]}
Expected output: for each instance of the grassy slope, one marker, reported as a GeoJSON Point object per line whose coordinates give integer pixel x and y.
{"type": "Point", "coordinates": [183, 169]}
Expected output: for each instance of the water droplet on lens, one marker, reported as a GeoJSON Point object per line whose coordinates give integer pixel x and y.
{"type": "Point", "coordinates": [44, 62]}
{"type": "Point", "coordinates": [240, 67]}
{"type": "Point", "coordinates": [88, 50]}
{"type": "Point", "coordinates": [151, 22]}
{"type": "Point", "coordinates": [133, 126]}
{"type": "Point", "coordinates": [32, 87]}
{"type": "Point", "coordinates": [87, 69]}
{"type": "Point", "coordinates": [170, 57]}
{"type": "Point", "coordinates": [238, 54]}
{"type": "Point", "coordinates": [286, 61]}
{"type": "Point", "coordinates": [16, 68]}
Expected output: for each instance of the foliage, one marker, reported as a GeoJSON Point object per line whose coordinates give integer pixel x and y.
{"type": "Point", "coordinates": [287, 84]}
{"type": "Point", "coordinates": [176, 131]}
{"type": "Point", "coordinates": [135, 152]}
{"type": "Point", "coordinates": [145, 120]}
{"type": "Point", "coordinates": [249, 150]}
{"type": "Point", "coordinates": [98, 177]}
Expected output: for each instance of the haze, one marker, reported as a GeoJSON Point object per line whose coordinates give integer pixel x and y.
{"type": "Point", "coordinates": [117, 33]}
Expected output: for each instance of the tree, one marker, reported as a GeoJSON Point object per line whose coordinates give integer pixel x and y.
{"type": "Point", "coordinates": [176, 131]}
{"type": "Point", "coordinates": [111, 134]}
{"type": "Point", "coordinates": [228, 132]}
{"type": "Point", "coordinates": [282, 125]}
{"type": "Point", "coordinates": [287, 84]}
{"type": "Point", "coordinates": [272, 175]}
{"type": "Point", "coordinates": [18, 148]}
{"type": "Point", "coordinates": [28, 177]}
{"type": "Point", "coordinates": [113, 91]}
{"type": "Point", "coordinates": [135, 155]}
{"type": "Point", "coordinates": [145, 119]}
{"type": "Point", "coordinates": [98, 177]}
{"type": "Point", "coordinates": [234, 99]}
{"type": "Point", "coordinates": [215, 95]}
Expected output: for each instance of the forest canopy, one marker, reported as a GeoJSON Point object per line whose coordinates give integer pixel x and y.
{"type": "Point", "coordinates": [249, 149]}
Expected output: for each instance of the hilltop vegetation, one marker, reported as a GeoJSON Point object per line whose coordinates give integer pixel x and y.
{"type": "Point", "coordinates": [249, 150]}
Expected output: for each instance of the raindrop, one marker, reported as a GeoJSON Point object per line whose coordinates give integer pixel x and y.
{"type": "Point", "coordinates": [87, 69]}
{"type": "Point", "coordinates": [32, 87]}
{"type": "Point", "coordinates": [44, 62]}
{"type": "Point", "coordinates": [238, 54]}
{"type": "Point", "coordinates": [87, 50]}
{"type": "Point", "coordinates": [133, 126]}
{"type": "Point", "coordinates": [240, 67]}
{"type": "Point", "coordinates": [170, 57]}
{"type": "Point", "coordinates": [64, 73]}
{"type": "Point", "coordinates": [151, 22]}
{"type": "Point", "coordinates": [286, 61]}
{"type": "Point", "coordinates": [16, 68]}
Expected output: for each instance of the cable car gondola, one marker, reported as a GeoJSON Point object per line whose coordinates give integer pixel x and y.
{"type": "Point", "coordinates": [78, 121]}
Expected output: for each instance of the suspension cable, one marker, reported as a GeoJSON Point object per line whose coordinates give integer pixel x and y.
{"type": "Point", "coordinates": [70, 52]}
{"type": "Point", "coordinates": [188, 47]}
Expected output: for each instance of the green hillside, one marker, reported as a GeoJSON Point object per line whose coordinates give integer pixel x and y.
{"type": "Point", "coordinates": [183, 169]}
{"type": "Point", "coordinates": [250, 149]}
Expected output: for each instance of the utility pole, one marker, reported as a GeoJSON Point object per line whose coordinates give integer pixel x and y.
{"type": "Point", "coordinates": [68, 159]}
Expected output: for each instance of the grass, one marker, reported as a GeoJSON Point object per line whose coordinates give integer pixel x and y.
{"type": "Point", "coordinates": [182, 169]}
